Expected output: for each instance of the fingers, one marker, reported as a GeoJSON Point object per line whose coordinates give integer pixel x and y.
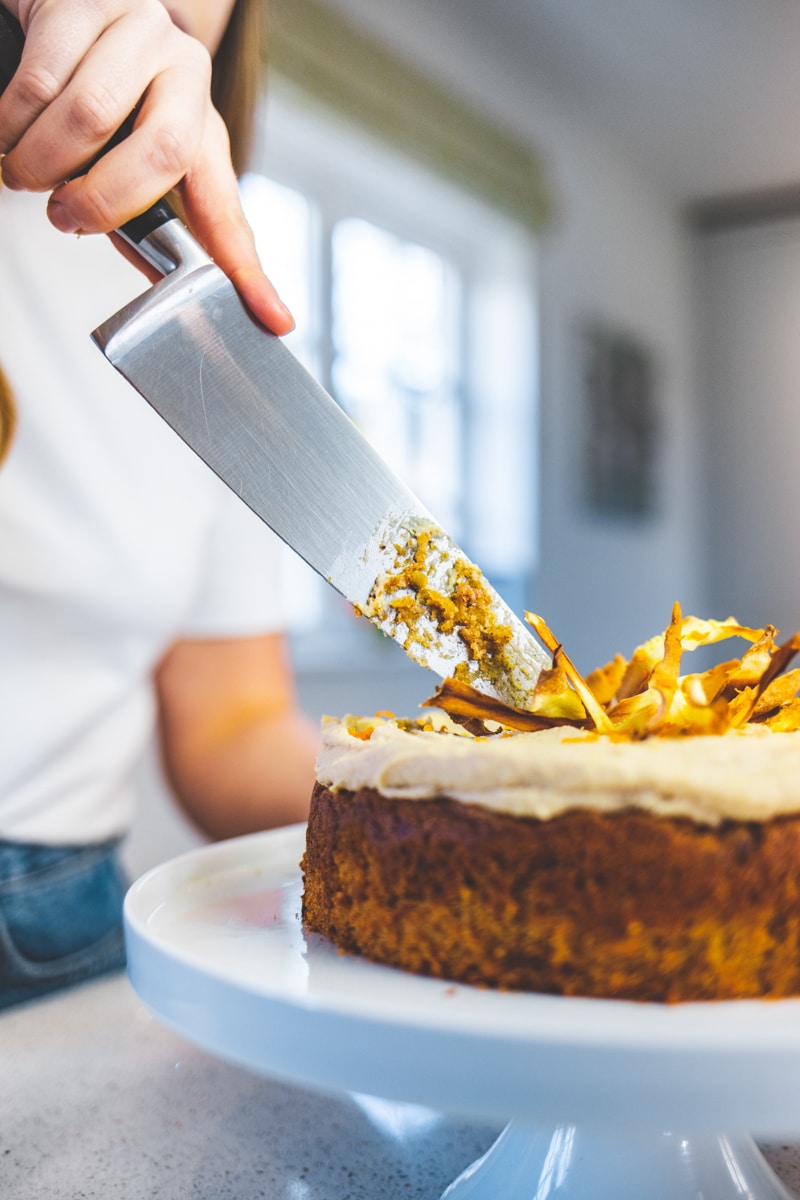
{"type": "Point", "coordinates": [85, 68]}
{"type": "Point", "coordinates": [78, 81]}
{"type": "Point", "coordinates": [166, 142]}
{"type": "Point", "coordinates": [262, 299]}
{"type": "Point", "coordinates": [58, 37]}
{"type": "Point", "coordinates": [249, 280]}
{"type": "Point", "coordinates": [213, 211]}
{"type": "Point", "coordinates": [214, 214]}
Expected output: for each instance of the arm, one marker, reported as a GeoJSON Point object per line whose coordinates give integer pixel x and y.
{"type": "Point", "coordinates": [84, 68]}
{"type": "Point", "coordinates": [237, 751]}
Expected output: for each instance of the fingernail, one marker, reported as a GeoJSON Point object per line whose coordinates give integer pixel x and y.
{"type": "Point", "coordinates": [62, 218]}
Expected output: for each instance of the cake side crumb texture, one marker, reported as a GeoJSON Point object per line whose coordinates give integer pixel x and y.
{"type": "Point", "coordinates": [622, 905]}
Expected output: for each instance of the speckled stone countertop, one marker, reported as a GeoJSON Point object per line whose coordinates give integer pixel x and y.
{"type": "Point", "coordinates": [100, 1100]}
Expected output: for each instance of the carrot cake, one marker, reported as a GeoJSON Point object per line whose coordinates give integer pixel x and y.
{"type": "Point", "coordinates": [647, 849]}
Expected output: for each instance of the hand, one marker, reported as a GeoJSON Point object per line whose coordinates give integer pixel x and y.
{"type": "Point", "coordinates": [84, 68]}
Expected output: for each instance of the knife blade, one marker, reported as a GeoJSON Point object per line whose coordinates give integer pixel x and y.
{"type": "Point", "coordinates": [241, 400]}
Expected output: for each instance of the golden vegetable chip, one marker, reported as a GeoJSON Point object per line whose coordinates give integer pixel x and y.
{"type": "Point", "coordinates": [646, 695]}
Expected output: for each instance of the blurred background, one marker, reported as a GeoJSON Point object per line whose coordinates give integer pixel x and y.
{"type": "Point", "coordinates": [547, 255]}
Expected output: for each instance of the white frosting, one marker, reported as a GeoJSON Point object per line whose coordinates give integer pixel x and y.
{"type": "Point", "coordinates": [748, 775]}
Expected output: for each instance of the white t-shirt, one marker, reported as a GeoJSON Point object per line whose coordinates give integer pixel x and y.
{"type": "Point", "coordinates": [114, 541]}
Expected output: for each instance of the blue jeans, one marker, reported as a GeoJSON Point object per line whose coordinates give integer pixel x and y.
{"type": "Point", "coordinates": [60, 917]}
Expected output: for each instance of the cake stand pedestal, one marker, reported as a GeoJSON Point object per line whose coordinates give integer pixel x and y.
{"type": "Point", "coordinates": [607, 1099]}
{"type": "Point", "coordinates": [526, 1163]}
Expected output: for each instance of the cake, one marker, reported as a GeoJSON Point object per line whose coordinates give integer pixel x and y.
{"type": "Point", "coordinates": [635, 851]}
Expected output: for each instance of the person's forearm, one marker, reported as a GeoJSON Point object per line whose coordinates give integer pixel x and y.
{"type": "Point", "coordinates": [255, 775]}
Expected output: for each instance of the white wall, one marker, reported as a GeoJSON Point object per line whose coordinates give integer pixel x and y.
{"type": "Point", "coordinates": [749, 312]}
{"type": "Point", "coordinates": [619, 253]}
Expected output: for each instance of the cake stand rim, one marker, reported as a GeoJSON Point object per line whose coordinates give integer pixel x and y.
{"type": "Point", "coordinates": [579, 1054]}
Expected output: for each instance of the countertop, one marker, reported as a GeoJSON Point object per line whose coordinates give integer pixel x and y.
{"type": "Point", "coordinates": [100, 1100]}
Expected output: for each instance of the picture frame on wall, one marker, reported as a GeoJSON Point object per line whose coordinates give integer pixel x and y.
{"type": "Point", "coordinates": [619, 422]}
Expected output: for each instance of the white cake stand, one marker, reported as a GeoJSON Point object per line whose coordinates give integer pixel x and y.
{"type": "Point", "coordinates": [605, 1098]}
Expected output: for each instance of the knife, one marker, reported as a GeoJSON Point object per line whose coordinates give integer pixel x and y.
{"type": "Point", "coordinates": [240, 399]}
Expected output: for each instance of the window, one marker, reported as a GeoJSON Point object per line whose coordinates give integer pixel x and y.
{"type": "Point", "coordinates": [415, 307]}
{"type": "Point", "coordinates": [395, 310]}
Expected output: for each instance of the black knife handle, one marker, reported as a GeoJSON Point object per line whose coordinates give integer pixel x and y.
{"type": "Point", "coordinates": [12, 40]}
